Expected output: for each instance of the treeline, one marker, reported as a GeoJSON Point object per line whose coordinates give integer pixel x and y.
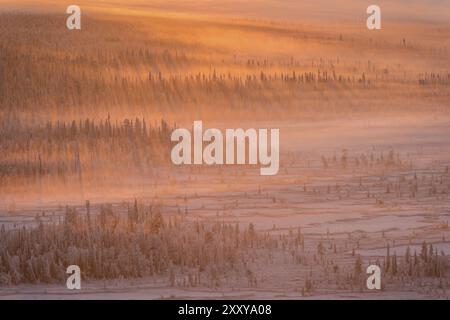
{"type": "Point", "coordinates": [59, 149]}
{"type": "Point", "coordinates": [109, 245]}
{"type": "Point", "coordinates": [434, 78]}
{"type": "Point", "coordinates": [344, 160]}
{"type": "Point", "coordinates": [427, 263]}
{"type": "Point", "coordinates": [117, 68]}
{"type": "Point", "coordinates": [60, 86]}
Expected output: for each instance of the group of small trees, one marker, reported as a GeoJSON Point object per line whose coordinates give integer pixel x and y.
{"type": "Point", "coordinates": [117, 68]}
{"type": "Point", "coordinates": [61, 151]}
{"type": "Point", "coordinates": [111, 245]}
{"type": "Point", "coordinates": [428, 263]}
{"type": "Point", "coordinates": [344, 160]}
